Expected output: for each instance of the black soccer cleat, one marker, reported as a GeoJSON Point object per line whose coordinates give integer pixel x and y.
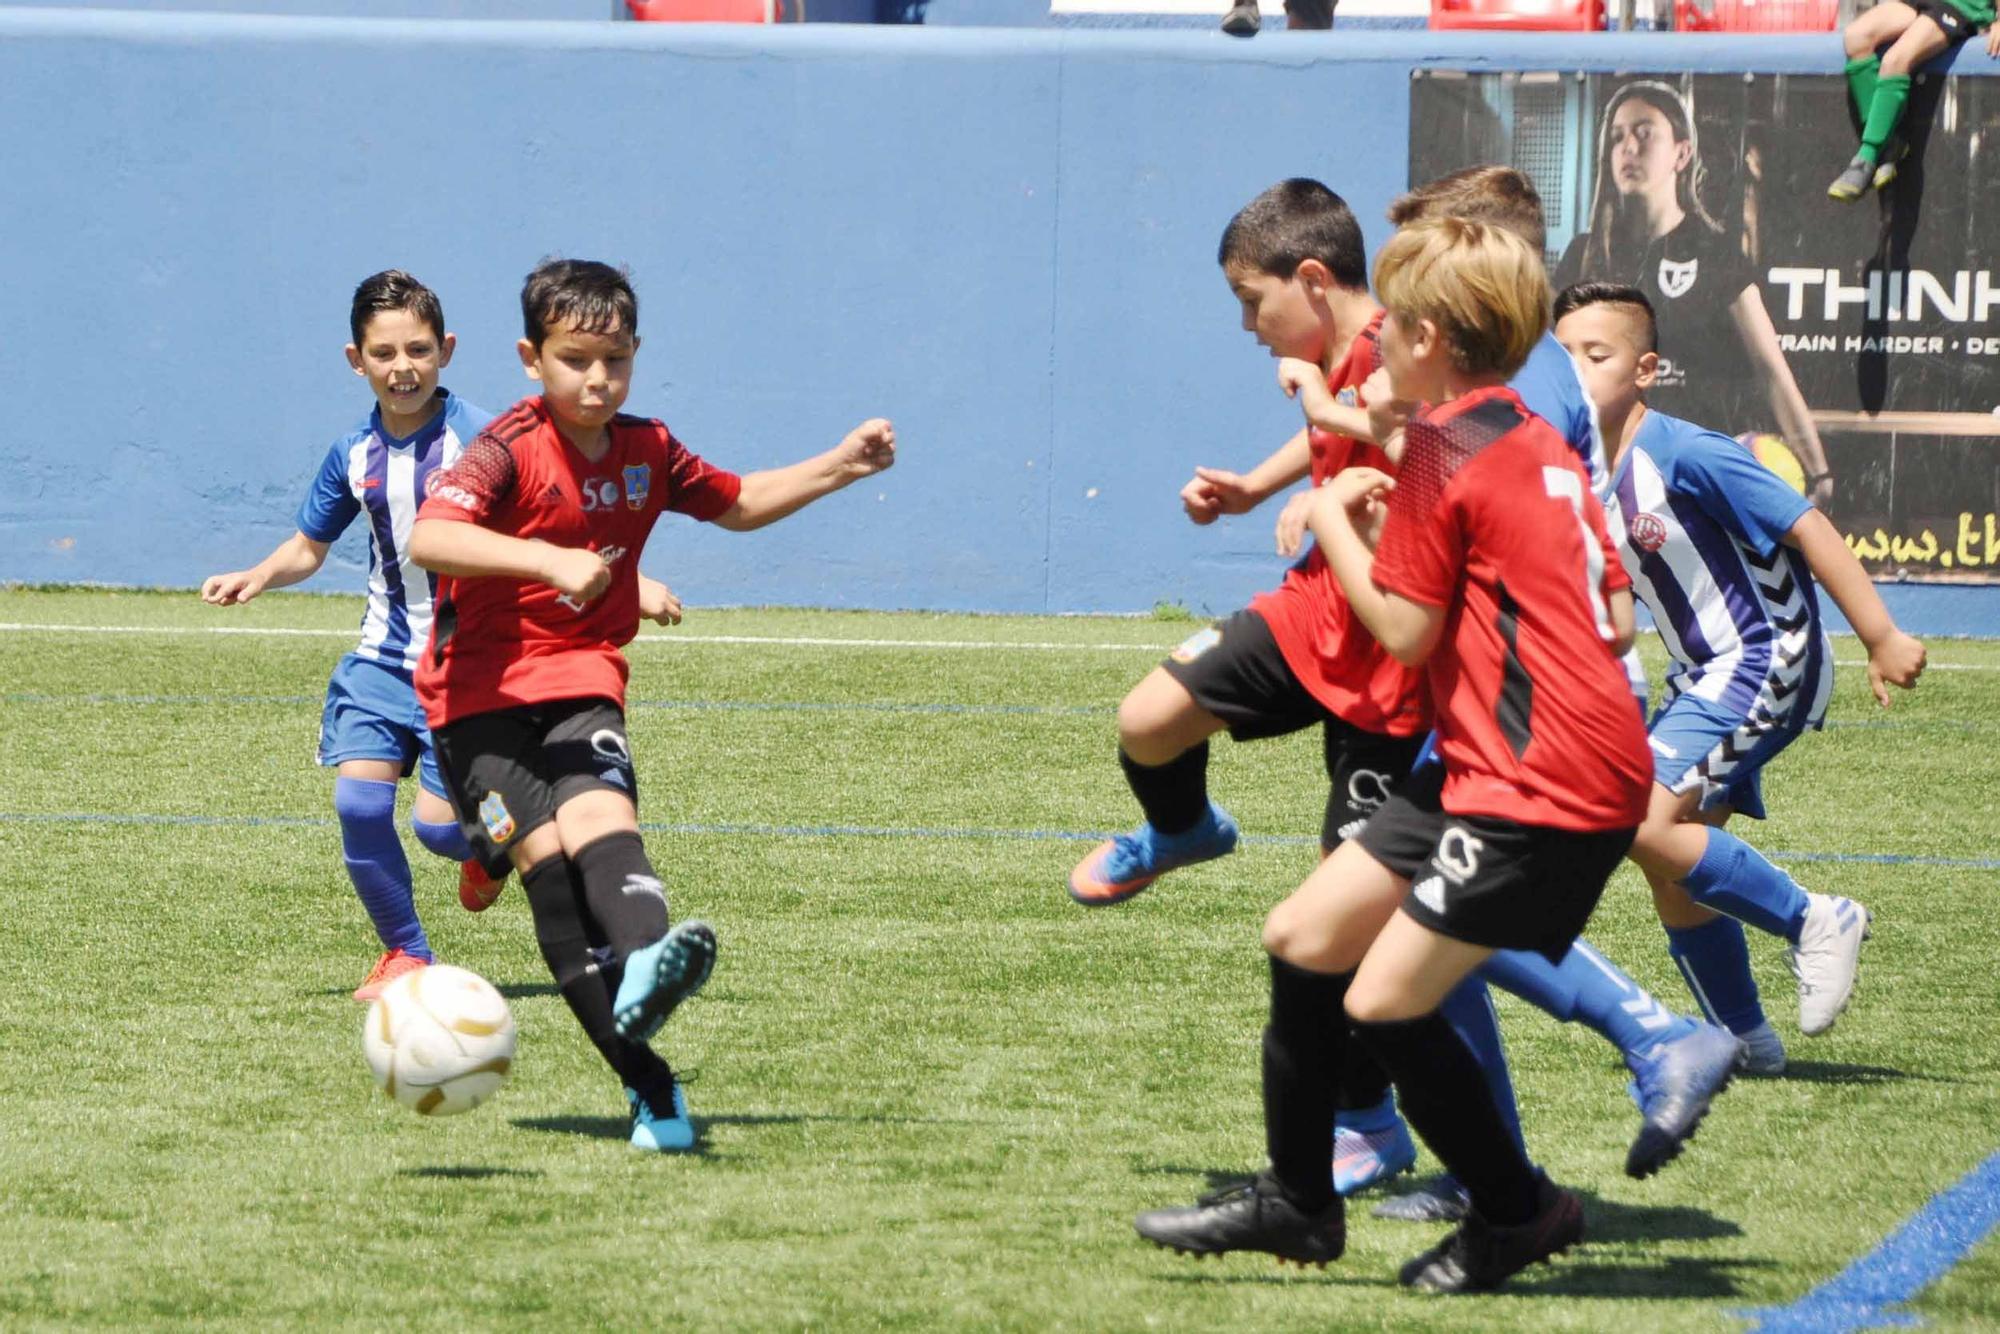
{"type": "Point", "coordinates": [1249, 1216]}
{"type": "Point", "coordinates": [1479, 1256]}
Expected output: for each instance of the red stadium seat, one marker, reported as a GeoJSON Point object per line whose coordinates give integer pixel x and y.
{"type": "Point", "coordinates": [1757, 16]}
{"type": "Point", "coordinates": [1521, 15]}
{"type": "Point", "coordinates": [706, 11]}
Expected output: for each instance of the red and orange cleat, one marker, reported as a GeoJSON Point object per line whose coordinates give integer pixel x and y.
{"type": "Point", "coordinates": [476, 889]}
{"type": "Point", "coordinates": [386, 970]}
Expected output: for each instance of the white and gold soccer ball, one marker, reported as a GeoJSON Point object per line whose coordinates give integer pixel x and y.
{"type": "Point", "coordinates": [439, 1039]}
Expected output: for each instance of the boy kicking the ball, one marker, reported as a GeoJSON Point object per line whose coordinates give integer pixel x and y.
{"type": "Point", "coordinates": [372, 732]}
{"type": "Point", "coordinates": [537, 533]}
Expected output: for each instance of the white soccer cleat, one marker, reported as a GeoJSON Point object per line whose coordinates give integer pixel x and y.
{"type": "Point", "coordinates": [1763, 1052]}
{"type": "Point", "coordinates": [1827, 958]}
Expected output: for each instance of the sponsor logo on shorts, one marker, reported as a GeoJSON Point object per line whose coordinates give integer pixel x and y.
{"type": "Point", "coordinates": [1197, 644]}
{"type": "Point", "coordinates": [1649, 532]}
{"type": "Point", "coordinates": [1367, 789]}
{"type": "Point", "coordinates": [1458, 855]}
{"type": "Point", "coordinates": [1430, 893]}
{"type": "Point", "coordinates": [499, 821]}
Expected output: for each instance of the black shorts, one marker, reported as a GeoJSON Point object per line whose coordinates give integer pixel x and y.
{"type": "Point", "coordinates": [1236, 671]}
{"type": "Point", "coordinates": [507, 771]}
{"type": "Point", "coordinates": [1487, 881]}
{"type": "Point", "coordinates": [1957, 27]}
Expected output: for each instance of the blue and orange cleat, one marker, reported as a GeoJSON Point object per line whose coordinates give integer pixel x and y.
{"type": "Point", "coordinates": [664, 1129]}
{"type": "Point", "coordinates": [660, 976]}
{"type": "Point", "coordinates": [1120, 867]}
{"type": "Point", "coordinates": [1364, 1158]}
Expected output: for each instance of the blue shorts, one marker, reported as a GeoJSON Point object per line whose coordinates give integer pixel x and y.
{"type": "Point", "coordinates": [372, 714]}
{"type": "Point", "coordinates": [1700, 744]}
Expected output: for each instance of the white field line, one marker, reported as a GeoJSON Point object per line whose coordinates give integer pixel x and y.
{"type": "Point", "coordinates": [770, 641]}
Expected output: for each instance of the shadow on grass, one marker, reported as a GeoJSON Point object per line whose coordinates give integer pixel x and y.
{"type": "Point", "coordinates": [522, 990]}
{"type": "Point", "coordinates": [468, 1173]}
{"type": "Point", "coordinates": [618, 1127]}
{"type": "Point", "coordinates": [1668, 1278]}
{"type": "Point", "coordinates": [1835, 1072]}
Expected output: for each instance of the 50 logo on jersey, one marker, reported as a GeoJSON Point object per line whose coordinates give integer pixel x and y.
{"type": "Point", "coordinates": [599, 494]}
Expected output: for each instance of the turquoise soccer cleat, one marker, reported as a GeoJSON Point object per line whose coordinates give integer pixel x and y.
{"type": "Point", "coordinates": [660, 976]}
{"type": "Point", "coordinates": [662, 1130]}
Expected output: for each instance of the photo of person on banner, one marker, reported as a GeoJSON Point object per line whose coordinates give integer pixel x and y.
{"type": "Point", "coordinates": [1649, 226]}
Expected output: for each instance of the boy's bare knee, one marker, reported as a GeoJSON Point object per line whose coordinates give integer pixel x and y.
{"type": "Point", "coordinates": [1374, 1005]}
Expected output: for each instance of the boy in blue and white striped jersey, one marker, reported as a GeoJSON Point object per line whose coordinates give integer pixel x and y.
{"type": "Point", "coordinates": [1725, 554]}
{"type": "Point", "coordinates": [372, 731]}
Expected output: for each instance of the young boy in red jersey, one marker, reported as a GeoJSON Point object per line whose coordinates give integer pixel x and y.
{"type": "Point", "coordinates": [537, 531]}
{"type": "Point", "coordinates": [1496, 574]}
{"type": "Point", "coordinates": [1292, 659]}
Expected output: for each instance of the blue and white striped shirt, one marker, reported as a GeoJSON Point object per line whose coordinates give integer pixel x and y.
{"type": "Point", "coordinates": [370, 472]}
{"type": "Point", "coordinates": [1703, 528]}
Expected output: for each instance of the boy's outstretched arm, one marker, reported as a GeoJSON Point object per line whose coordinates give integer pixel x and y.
{"type": "Point", "coordinates": [1215, 492]}
{"type": "Point", "coordinates": [773, 493]}
{"type": "Point", "coordinates": [1893, 656]}
{"type": "Point", "coordinates": [465, 550]}
{"type": "Point", "coordinates": [297, 558]}
{"type": "Point", "coordinates": [1307, 383]}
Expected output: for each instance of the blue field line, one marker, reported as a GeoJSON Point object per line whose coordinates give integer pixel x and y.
{"type": "Point", "coordinates": [1917, 1254]}
{"type": "Point", "coordinates": [758, 830]}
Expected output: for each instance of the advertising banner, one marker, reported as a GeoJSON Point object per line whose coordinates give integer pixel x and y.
{"type": "Point", "coordinates": [1859, 340]}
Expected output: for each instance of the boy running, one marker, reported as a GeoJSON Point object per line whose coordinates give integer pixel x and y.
{"type": "Point", "coordinates": [372, 732]}
{"type": "Point", "coordinates": [537, 532]}
{"type": "Point", "coordinates": [1725, 556]}
{"type": "Point", "coordinates": [1294, 658]}
{"type": "Point", "coordinates": [1494, 572]}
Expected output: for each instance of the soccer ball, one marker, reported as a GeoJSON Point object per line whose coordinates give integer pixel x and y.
{"type": "Point", "coordinates": [439, 1039]}
{"type": "Point", "coordinates": [1775, 454]}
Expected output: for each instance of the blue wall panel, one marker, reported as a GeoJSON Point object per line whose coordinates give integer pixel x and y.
{"type": "Point", "coordinates": [1004, 239]}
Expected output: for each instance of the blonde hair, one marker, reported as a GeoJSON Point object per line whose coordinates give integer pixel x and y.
{"type": "Point", "coordinates": [1483, 287]}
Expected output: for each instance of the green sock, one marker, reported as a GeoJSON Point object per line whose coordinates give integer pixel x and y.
{"type": "Point", "coordinates": [1892, 94]}
{"type": "Point", "coordinates": [1862, 71]}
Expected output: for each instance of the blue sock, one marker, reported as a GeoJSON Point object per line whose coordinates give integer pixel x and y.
{"type": "Point", "coordinates": [1588, 987]}
{"type": "Point", "coordinates": [1716, 963]}
{"type": "Point", "coordinates": [1469, 1010]}
{"type": "Point", "coordinates": [1734, 877]}
{"type": "Point", "coordinates": [446, 840]}
{"type": "Point", "coordinates": [375, 861]}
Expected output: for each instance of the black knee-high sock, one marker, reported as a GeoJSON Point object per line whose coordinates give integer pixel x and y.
{"type": "Point", "coordinates": [1444, 1094]}
{"type": "Point", "coordinates": [623, 895]}
{"type": "Point", "coordinates": [562, 931]}
{"type": "Point", "coordinates": [1303, 1046]}
{"type": "Point", "coordinates": [1173, 795]}
{"type": "Point", "coordinates": [1363, 1081]}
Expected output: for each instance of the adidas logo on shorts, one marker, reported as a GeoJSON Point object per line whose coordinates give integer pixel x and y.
{"type": "Point", "coordinates": [1430, 893]}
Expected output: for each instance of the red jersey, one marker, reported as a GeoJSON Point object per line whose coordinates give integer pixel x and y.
{"type": "Point", "coordinates": [1327, 648]}
{"type": "Point", "coordinates": [498, 643]}
{"type": "Point", "coordinates": [1493, 520]}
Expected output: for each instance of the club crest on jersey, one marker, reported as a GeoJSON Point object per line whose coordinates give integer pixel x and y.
{"type": "Point", "coordinates": [1197, 644]}
{"type": "Point", "coordinates": [1677, 276]}
{"type": "Point", "coordinates": [499, 821]}
{"type": "Point", "coordinates": [638, 485]}
{"type": "Point", "coordinates": [1347, 398]}
{"type": "Point", "coordinates": [1649, 532]}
